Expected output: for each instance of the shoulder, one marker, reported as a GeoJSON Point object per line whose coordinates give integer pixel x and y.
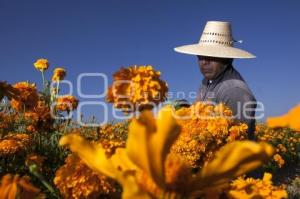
{"type": "Point", "coordinates": [233, 84]}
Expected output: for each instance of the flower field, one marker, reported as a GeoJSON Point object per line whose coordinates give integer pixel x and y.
{"type": "Point", "coordinates": [194, 151]}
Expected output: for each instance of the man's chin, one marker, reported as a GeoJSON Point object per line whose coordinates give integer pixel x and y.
{"type": "Point", "coordinates": [209, 77]}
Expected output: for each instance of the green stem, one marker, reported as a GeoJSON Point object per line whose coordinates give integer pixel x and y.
{"type": "Point", "coordinates": [43, 77]}
{"type": "Point", "coordinates": [33, 170]}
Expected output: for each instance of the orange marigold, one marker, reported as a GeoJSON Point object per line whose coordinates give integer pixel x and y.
{"type": "Point", "coordinates": [279, 160]}
{"type": "Point", "coordinates": [136, 88]}
{"type": "Point", "coordinates": [27, 98]}
{"type": "Point", "coordinates": [204, 129]}
{"type": "Point", "coordinates": [40, 117]}
{"type": "Point", "coordinates": [76, 180]}
{"type": "Point", "coordinates": [14, 186]}
{"type": "Point", "coordinates": [14, 143]}
{"type": "Point", "coordinates": [59, 74]}
{"type": "Point", "coordinates": [66, 103]}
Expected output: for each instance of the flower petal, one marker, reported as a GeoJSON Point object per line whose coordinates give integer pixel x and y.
{"type": "Point", "coordinates": [149, 142]}
{"type": "Point", "coordinates": [291, 119]}
{"type": "Point", "coordinates": [92, 154]}
{"type": "Point", "coordinates": [232, 160]}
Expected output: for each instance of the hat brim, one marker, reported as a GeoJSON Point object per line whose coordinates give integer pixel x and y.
{"type": "Point", "coordinates": [214, 51]}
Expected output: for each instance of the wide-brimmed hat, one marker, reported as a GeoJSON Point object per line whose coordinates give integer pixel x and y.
{"type": "Point", "coordinates": [216, 41]}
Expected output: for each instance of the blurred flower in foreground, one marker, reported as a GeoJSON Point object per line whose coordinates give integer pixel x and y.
{"type": "Point", "coordinates": [58, 74]}
{"type": "Point", "coordinates": [12, 187]}
{"type": "Point", "coordinates": [255, 188]}
{"type": "Point", "coordinates": [27, 98]}
{"type": "Point", "coordinates": [149, 141]}
{"type": "Point", "coordinates": [41, 64]}
{"type": "Point", "coordinates": [66, 103]}
{"type": "Point", "coordinates": [291, 119]}
{"type": "Point", "coordinates": [136, 88]}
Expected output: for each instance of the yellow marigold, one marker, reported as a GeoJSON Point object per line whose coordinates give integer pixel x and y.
{"type": "Point", "coordinates": [14, 186]}
{"type": "Point", "coordinates": [136, 88]}
{"type": "Point", "coordinates": [236, 132]}
{"type": "Point", "coordinates": [255, 188]}
{"type": "Point", "coordinates": [14, 143]}
{"type": "Point", "coordinates": [66, 103]}
{"type": "Point", "coordinates": [41, 64]}
{"type": "Point", "coordinates": [204, 129]}
{"type": "Point", "coordinates": [278, 159]}
{"type": "Point", "coordinates": [58, 74]}
{"type": "Point", "coordinates": [27, 97]}
{"type": "Point", "coordinates": [76, 180]}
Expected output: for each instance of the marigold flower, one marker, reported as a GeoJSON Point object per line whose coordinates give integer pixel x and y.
{"type": "Point", "coordinates": [40, 117]}
{"type": "Point", "coordinates": [14, 143]}
{"type": "Point", "coordinates": [41, 64]}
{"type": "Point", "coordinates": [18, 187]}
{"type": "Point", "coordinates": [76, 180]}
{"type": "Point", "coordinates": [136, 88]}
{"type": "Point", "coordinates": [27, 98]}
{"type": "Point", "coordinates": [204, 129]}
{"type": "Point", "coordinates": [278, 159]}
{"type": "Point", "coordinates": [58, 74]}
{"type": "Point", "coordinates": [66, 103]}
{"type": "Point", "coordinates": [256, 188]}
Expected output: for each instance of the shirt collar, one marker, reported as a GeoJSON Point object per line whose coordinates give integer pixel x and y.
{"type": "Point", "coordinates": [218, 78]}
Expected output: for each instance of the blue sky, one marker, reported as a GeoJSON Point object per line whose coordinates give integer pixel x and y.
{"type": "Point", "coordinates": [100, 36]}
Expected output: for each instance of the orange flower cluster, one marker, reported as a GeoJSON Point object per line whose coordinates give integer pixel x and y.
{"type": "Point", "coordinates": [285, 141]}
{"type": "Point", "coordinates": [205, 128]}
{"type": "Point", "coordinates": [27, 97]}
{"type": "Point", "coordinates": [136, 88]}
{"type": "Point", "coordinates": [76, 180]}
{"type": "Point", "coordinates": [58, 74]}
{"type": "Point", "coordinates": [66, 103]}
{"type": "Point", "coordinates": [256, 188]}
{"type": "Point", "coordinates": [40, 118]}
{"type": "Point", "coordinates": [14, 143]}
{"type": "Point", "coordinates": [18, 187]}
{"type": "Point", "coordinates": [114, 131]}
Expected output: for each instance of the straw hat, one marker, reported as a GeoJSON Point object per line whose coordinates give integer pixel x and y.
{"type": "Point", "coordinates": [216, 41]}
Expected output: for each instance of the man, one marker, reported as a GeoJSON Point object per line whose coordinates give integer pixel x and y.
{"type": "Point", "coordinates": [222, 83]}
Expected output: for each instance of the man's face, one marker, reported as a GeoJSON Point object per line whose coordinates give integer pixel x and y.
{"type": "Point", "coordinates": [211, 67]}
